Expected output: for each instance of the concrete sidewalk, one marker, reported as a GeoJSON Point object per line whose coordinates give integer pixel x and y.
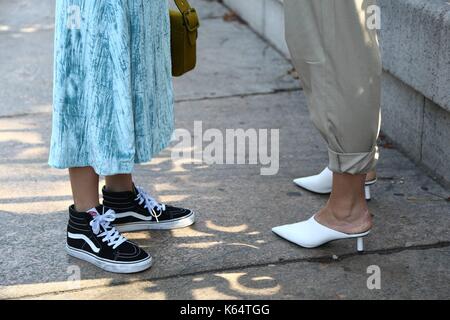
{"type": "Point", "coordinates": [230, 253]}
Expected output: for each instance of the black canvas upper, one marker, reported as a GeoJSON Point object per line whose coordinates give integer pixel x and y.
{"type": "Point", "coordinates": [79, 223]}
{"type": "Point", "coordinates": [127, 201]}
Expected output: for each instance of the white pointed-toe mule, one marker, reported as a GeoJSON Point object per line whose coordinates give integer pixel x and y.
{"type": "Point", "coordinates": [320, 183]}
{"type": "Point", "coordinates": [323, 182]}
{"type": "Point", "coordinates": [312, 234]}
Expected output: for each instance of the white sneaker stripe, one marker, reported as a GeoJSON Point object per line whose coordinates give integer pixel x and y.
{"type": "Point", "coordinates": [133, 214]}
{"type": "Point", "coordinates": [83, 237]}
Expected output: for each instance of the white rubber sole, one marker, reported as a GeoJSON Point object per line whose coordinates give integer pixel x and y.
{"type": "Point", "coordinates": [110, 266]}
{"type": "Point", "coordinates": [151, 225]}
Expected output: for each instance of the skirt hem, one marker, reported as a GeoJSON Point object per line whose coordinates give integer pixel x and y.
{"type": "Point", "coordinates": [123, 168]}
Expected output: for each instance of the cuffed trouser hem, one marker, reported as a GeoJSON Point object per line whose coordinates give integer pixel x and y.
{"type": "Point", "coordinates": [353, 163]}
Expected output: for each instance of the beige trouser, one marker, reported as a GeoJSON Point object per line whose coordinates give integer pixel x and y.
{"type": "Point", "coordinates": [338, 59]}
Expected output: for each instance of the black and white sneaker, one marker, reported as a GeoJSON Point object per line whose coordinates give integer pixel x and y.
{"type": "Point", "coordinates": [90, 237]}
{"type": "Point", "coordinates": [137, 211]}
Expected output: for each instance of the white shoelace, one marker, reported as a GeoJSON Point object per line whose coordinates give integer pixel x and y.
{"type": "Point", "coordinates": [150, 203]}
{"type": "Point", "coordinates": [110, 234]}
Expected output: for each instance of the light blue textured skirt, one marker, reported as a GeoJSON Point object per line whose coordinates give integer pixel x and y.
{"type": "Point", "coordinates": [113, 96]}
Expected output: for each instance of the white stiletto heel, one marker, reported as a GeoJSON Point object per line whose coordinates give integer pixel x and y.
{"type": "Point", "coordinates": [367, 188]}
{"type": "Point", "coordinates": [360, 244]}
{"type": "Point", "coordinates": [367, 192]}
{"type": "Point", "coordinates": [312, 234]}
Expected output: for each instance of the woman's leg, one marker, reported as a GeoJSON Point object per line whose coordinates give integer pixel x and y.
{"type": "Point", "coordinates": [346, 210]}
{"type": "Point", "coordinates": [338, 60]}
{"type": "Point", "coordinates": [84, 182]}
{"type": "Point", "coordinates": [347, 110]}
{"type": "Point", "coordinates": [91, 237]}
{"type": "Point", "coordinates": [119, 183]}
{"type": "Point", "coordinates": [322, 182]}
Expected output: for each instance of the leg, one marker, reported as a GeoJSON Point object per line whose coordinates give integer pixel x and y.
{"type": "Point", "coordinates": [339, 64]}
{"type": "Point", "coordinates": [322, 183]}
{"type": "Point", "coordinates": [338, 60]}
{"type": "Point", "coordinates": [102, 246]}
{"type": "Point", "coordinates": [345, 216]}
{"type": "Point", "coordinates": [84, 182]}
{"type": "Point", "coordinates": [119, 183]}
{"type": "Point", "coordinates": [346, 210]}
{"type": "Point", "coordinates": [349, 122]}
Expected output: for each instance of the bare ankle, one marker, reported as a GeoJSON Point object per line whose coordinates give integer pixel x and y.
{"type": "Point", "coordinates": [84, 207]}
{"type": "Point", "coordinates": [355, 220]}
{"type": "Point", "coordinates": [119, 188]}
{"type": "Point", "coordinates": [119, 183]}
{"type": "Point", "coordinates": [347, 208]}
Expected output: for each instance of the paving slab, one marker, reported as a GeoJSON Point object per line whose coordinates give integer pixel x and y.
{"type": "Point", "coordinates": [26, 78]}
{"type": "Point", "coordinates": [236, 205]}
{"type": "Point", "coordinates": [232, 231]}
{"type": "Point", "coordinates": [26, 16]}
{"type": "Point", "coordinates": [26, 50]}
{"type": "Point", "coordinates": [410, 274]}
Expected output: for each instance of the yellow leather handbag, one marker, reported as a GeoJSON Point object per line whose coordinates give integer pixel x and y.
{"type": "Point", "coordinates": [184, 24]}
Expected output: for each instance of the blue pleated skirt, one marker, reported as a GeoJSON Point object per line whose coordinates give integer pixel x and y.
{"type": "Point", "coordinates": [113, 96]}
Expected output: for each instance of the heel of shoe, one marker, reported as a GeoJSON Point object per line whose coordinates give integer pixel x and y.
{"type": "Point", "coordinates": [367, 192]}
{"type": "Point", "coordinates": [360, 244]}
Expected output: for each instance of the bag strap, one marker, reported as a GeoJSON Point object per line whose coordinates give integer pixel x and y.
{"type": "Point", "coordinates": [183, 5]}
{"type": "Point", "coordinates": [189, 15]}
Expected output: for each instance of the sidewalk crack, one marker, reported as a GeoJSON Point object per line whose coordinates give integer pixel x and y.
{"type": "Point", "coordinates": [323, 259]}
{"type": "Point", "coordinates": [240, 95]}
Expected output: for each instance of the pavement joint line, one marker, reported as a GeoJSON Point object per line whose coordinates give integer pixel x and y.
{"type": "Point", "coordinates": [14, 31]}
{"type": "Point", "coordinates": [23, 115]}
{"type": "Point", "coordinates": [231, 96]}
{"type": "Point", "coordinates": [324, 259]}
{"type": "Point", "coordinates": [241, 95]}
{"type": "Point", "coordinates": [52, 27]}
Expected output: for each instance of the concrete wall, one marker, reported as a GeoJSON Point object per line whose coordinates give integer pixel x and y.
{"type": "Point", "coordinates": [415, 41]}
